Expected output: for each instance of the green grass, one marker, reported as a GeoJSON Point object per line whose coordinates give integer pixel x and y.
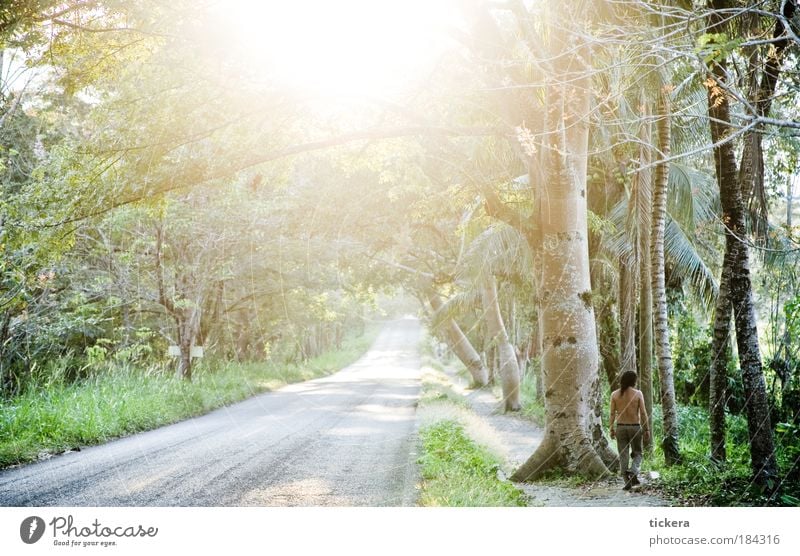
{"type": "Point", "coordinates": [123, 401]}
{"type": "Point", "coordinates": [458, 472]}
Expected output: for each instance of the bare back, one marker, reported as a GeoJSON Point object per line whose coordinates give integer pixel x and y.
{"type": "Point", "coordinates": [627, 405]}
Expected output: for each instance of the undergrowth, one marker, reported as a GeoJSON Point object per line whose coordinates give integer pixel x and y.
{"type": "Point", "coordinates": [700, 481]}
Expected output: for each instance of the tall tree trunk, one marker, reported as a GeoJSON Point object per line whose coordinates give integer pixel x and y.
{"type": "Point", "coordinates": [188, 324]}
{"type": "Point", "coordinates": [765, 469]}
{"type": "Point", "coordinates": [669, 408]}
{"type": "Point", "coordinates": [627, 315]}
{"type": "Point", "coordinates": [570, 360]}
{"type": "Point", "coordinates": [608, 339]}
{"type": "Point", "coordinates": [508, 367]}
{"type": "Point", "coordinates": [763, 87]}
{"type": "Point", "coordinates": [644, 185]}
{"type": "Point", "coordinates": [185, 362]}
{"type": "Point", "coordinates": [718, 379]}
{"type": "Point", "coordinates": [536, 355]}
{"type": "Point", "coordinates": [459, 344]}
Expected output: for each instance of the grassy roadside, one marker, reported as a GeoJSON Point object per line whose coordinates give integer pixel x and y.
{"type": "Point", "coordinates": [124, 401]}
{"type": "Point", "coordinates": [457, 470]}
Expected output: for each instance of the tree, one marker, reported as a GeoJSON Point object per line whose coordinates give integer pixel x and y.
{"type": "Point", "coordinates": [570, 358]}
{"type": "Point", "coordinates": [763, 81]}
{"type": "Point", "coordinates": [460, 345]}
{"type": "Point", "coordinates": [762, 448]}
{"type": "Point", "coordinates": [644, 196]}
{"type": "Point", "coordinates": [509, 368]}
{"type": "Point", "coordinates": [661, 326]}
{"type": "Point", "coordinates": [718, 378]}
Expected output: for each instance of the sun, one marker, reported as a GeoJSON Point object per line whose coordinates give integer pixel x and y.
{"type": "Point", "coordinates": [352, 47]}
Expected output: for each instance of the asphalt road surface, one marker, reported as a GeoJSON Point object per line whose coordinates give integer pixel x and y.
{"type": "Point", "coordinates": [343, 440]}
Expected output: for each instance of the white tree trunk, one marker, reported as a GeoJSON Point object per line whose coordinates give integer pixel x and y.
{"type": "Point", "coordinates": [509, 369]}
{"type": "Point", "coordinates": [570, 362]}
{"type": "Point", "coordinates": [459, 344]}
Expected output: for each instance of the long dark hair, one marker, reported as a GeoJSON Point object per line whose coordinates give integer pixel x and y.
{"type": "Point", "coordinates": [627, 380]}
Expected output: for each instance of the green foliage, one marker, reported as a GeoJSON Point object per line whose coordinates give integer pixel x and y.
{"type": "Point", "coordinates": [701, 481]}
{"type": "Point", "coordinates": [715, 46]}
{"type": "Point", "coordinates": [789, 438]}
{"type": "Point", "coordinates": [691, 352]}
{"type": "Point", "coordinates": [785, 364]}
{"type": "Point", "coordinates": [458, 472]}
{"type": "Point", "coordinates": [791, 311]}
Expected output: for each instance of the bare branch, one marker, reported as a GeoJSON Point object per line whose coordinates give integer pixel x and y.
{"type": "Point", "coordinates": [65, 11]}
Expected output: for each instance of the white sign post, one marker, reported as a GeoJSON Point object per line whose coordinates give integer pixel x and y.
{"type": "Point", "coordinates": [195, 353]}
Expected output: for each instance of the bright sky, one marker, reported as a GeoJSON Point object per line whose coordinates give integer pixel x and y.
{"type": "Point", "coordinates": [371, 47]}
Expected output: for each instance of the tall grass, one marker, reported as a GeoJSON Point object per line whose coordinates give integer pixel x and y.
{"type": "Point", "coordinates": [61, 416]}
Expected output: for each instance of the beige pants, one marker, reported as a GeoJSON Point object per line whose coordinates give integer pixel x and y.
{"type": "Point", "coordinates": [629, 437]}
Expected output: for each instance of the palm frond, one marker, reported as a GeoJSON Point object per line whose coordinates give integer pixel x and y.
{"type": "Point", "coordinates": [690, 119]}
{"type": "Point", "coordinates": [686, 260]}
{"type": "Point", "coordinates": [618, 241]}
{"type": "Point", "coordinates": [456, 306]}
{"type": "Point", "coordinates": [692, 197]}
{"type": "Point", "coordinates": [679, 248]}
{"type": "Point", "coordinates": [499, 249]}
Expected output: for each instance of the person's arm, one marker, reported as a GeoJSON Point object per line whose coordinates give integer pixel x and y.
{"type": "Point", "coordinates": [612, 416]}
{"type": "Point", "coordinates": [643, 416]}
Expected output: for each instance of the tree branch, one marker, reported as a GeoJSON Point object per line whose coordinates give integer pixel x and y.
{"type": "Point", "coordinates": [184, 181]}
{"type": "Point", "coordinates": [65, 11]}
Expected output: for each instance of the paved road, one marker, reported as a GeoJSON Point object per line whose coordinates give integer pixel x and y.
{"type": "Point", "coordinates": [343, 440]}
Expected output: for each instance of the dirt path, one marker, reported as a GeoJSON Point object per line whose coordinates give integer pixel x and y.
{"type": "Point", "coordinates": [343, 440]}
{"type": "Point", "coordinates": [516, 438]}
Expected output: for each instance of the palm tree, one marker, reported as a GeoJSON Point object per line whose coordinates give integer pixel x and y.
{"type": "Point", "coordinates": [460, 345]}
{"type": "Point", "coordinates": [509, 368]}
{"type": "Point", "coordinates": [736, 260]}
{"type": "Point", "coordinates": [498, 250]}
{"type": "Point", "coordinates": [669, 407]}
{"type": "Point", "coordinates": [683, 206]}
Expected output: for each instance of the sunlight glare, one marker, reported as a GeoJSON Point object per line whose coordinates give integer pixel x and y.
{"type": "Point", "coordinates": [354, 47]}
